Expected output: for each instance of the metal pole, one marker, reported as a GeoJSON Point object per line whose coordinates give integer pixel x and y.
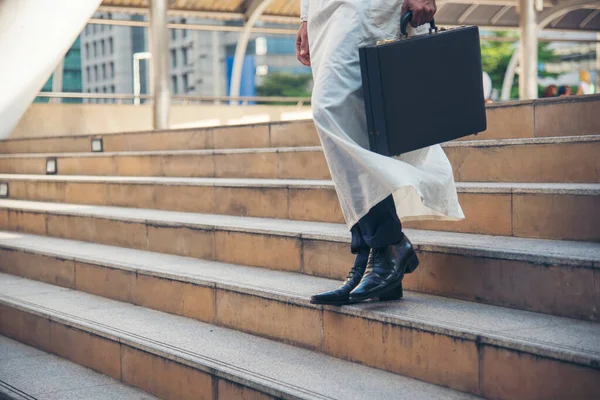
{"type": "Point", "coordinates": [259, 6]}
{"type": "Point", "coordinates": [159, 40]}
{"type": "Point", "coordinates": [528, 50]}
{"type": "Point", "coordinates": [216, 65]}
{"type": "Point", "coordinates": [509, 75]}
{"type": "Point", "coordinates": [57, 80]}
{"type": "Point", "coordinates": [598, 63]}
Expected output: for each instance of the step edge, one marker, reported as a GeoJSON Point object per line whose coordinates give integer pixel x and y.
{"type": "Point", "coordinates": [523, 141]}
{"type": "Point", "coordinates": [570, 189]}
{"type": "Point", "coordinates": [476, 251]}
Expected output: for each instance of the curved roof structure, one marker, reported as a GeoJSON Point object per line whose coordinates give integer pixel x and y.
{"type": "Point", "coordinates": [577, 15]}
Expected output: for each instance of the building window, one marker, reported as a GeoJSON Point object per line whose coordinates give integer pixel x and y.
{"type": "Point", "coordinates": [94, 45]}
{"type": "Point", "coordinates": [96, 73]}
{"type": "Point", "coordinates": [88, 72]}
{"type": "Point", "coordinates": [185, 83]}
{"type": "Point", "coordinates": [184, 53]}
{"type": "Point", "coordinates": [112, 88]}
{"type": "Point", "coordinates": [104, 71]}
{"type": "Point", "coordinates": [111, 48]}
{"type": "Point", "coordinates": [103, 47]}
{"type": "Point", "coordinates": [174, 79]}
{"type": "Point", "coordinates": [173, 58]}
{"type": "Point", "coordinates": [111, 68]}
{"type": "Point", "coordinates": [87, 51]}
{"type": "Point", "coordinates": [173, 34]}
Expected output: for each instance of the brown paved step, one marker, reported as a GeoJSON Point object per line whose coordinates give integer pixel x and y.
{"type": "Point", "coordinates": [574, 116]}
{"type": "Point", "coordinates": [29, 373]}
{"type": "Point", "coordinates": [190, 360]}
{"type": "Point", "coordinates": [567, 159]}
{"type": "Point", "coordinates": [549, 211]}
{"type": "Point", "coordinates": [555, 277]}
{"type": "Point", "coordinates": [480, 349]}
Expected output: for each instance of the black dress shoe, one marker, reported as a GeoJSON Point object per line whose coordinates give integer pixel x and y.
{"type": "Point", "coordinates": [340, 296]}
{"type": "Point", "coordinates": [385, 269]}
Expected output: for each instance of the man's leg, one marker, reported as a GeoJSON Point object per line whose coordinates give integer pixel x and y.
{"type": "Point", "coordinates": [391, 254]}
{"type": "Point", "coordinates": [341, 295]}
{"type": "Point", "coordinates": [380, 227]}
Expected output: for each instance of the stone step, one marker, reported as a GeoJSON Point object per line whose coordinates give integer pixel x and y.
{"type": "Point", "coordinates": [174, 357]}
{"type": "Point", "coordinates": [525, 119]}
{"type": "Point", "coordinates": [549, 211]}
{"type": "Point", "coordinates": [28, 373]}
{"type": "Point", "coordinates": [562, 159]}
{"type": "Point", "coordinates": [554, 277]}
{"type": "Point", "coordinates": [567, 159]}
{"type": "Point", "coordinates": [475, 348]}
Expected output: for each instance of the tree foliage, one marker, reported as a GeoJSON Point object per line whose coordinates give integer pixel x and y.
{"type": "Point", "coordinates": [495, 56]}
{"type": "Point", "coordinates": [285, 84]}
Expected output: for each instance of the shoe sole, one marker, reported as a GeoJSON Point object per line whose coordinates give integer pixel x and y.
{"type": "Point", "coordinates": [331, 303]}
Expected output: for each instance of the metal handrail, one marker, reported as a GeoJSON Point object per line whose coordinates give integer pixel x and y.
{"type": "Point", "coordinates": [245, 100]}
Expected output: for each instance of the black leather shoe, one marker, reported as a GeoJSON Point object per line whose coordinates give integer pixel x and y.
{"type": "Point", "coordinates": [385, 269]}
{"type": "Point", "coordinates": [340, 296]}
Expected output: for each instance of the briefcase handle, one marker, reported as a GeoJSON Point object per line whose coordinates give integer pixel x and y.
{"type": "Point", "coordinates": [406, 19]}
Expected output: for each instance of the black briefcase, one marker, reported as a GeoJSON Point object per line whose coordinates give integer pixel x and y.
{"type": "Point", "coordinates": [423, 90]}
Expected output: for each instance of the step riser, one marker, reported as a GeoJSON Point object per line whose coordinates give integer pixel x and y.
{"type": "Point", "coordinates": [277, 135]}
{"type": "Point", "coordinates": [549, 216]}
{"type": "Point", "coordinates": [544, 163]}
{"type": "Point", "coordinates": [552, 289]}
{"type": "Point", "coordinates": [558, 162]}
{"type": "Point", "coordinates": [436, 357]}
{"type": "Point", "coordinates": [286, 165]}
{"type": "Point", "coordinates": [133, 365]}
{"type": "Point", "coordinates": [544, 119]}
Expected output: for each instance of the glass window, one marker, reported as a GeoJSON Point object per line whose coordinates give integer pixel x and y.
{"type": "Point", "coordinates": [174, 79]}
{"type": "Point", "coordinates": [185, 83]}
{"type": "Point", "coordinates": [173, 58]}
{"type": "Point", "coordinates": [104, 71]}
{"type": "Point", "coordinates": [103, 47]}
{"type": "Point", "coordinates": [112, 88]}
{"type": "Point", "coordinates": [184, 53]}
{"type": "Point", "coordinates": [111, 49]}
{"type": "Point", "coordinates": [87, 51]}
{"type": "Point", "coordinates": [95, 45]}
{"type": "Point", "coordinates": [111, 68]}
{"type": "Point", "coordinates": [88, 72]}
{"type": "Point", "coordinates": [173, 34]}
{"type": "Point", "coordinates": [95, 73]}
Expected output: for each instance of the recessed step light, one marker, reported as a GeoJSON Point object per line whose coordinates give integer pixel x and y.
{"type": "Point", "coordinates": [51, 166]}
{"type": "Point", "coordinates": [97, 146]}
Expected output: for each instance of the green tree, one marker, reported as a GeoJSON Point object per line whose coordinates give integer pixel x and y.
{"type": "Point", "coordinates": [495, 56]}
{"type": "Point", "coordinates": [285, 85]}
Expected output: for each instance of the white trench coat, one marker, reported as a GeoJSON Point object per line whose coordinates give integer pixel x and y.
{"type": "Point", "coordinates": [421, 182]}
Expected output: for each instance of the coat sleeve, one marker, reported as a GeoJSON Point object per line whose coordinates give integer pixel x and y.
{"type": "Point", "coordinates": [304, 9]}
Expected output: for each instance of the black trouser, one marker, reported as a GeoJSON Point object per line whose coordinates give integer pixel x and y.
{"type": "Point", "coordinates": [380, 227]}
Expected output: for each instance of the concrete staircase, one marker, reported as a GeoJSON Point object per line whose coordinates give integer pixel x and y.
{"type": "Point", "coordinates": [182, 262]}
